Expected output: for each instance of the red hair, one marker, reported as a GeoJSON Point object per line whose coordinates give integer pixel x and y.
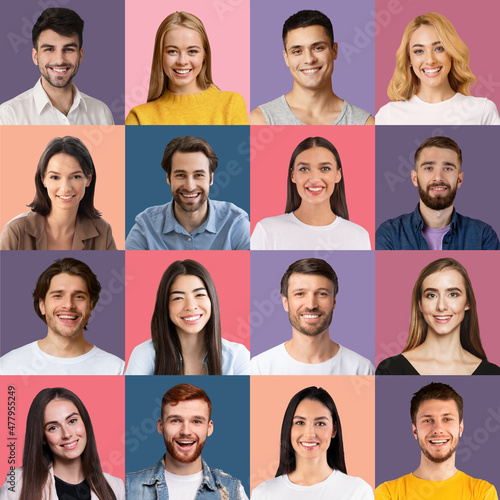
{"type": "Point", "coordinates": [185, 392]}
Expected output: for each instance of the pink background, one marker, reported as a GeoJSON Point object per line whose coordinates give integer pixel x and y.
{"type": "Point", "coordinates": [230, 271]}
{"type": "Point", "coordinates": [102, 396]}
{"type": "Point", "coordinates": [227, 24]}
{"type": "Point", "coordinates": [476, 23]}
{"type": "Point", "coordinates": [270, 152]}
{"type": "Point", "coordinates": [397, 272]}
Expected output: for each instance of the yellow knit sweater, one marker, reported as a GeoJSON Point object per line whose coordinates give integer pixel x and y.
{"type": "Point", "coordinates": [210, 107]}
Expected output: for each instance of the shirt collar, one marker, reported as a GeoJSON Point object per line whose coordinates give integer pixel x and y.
{"type": "Point", "coordinates": [418, 222]}
{"type": "Point", "coordinates": [171, 223]}
{"type": "Point", "coordinates": [42, 99]}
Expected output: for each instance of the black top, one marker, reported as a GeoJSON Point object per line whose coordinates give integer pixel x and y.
{"type": "Point", "coordinates": [66, 491]}
{"type": "Point", "coordinates": [399, 365]}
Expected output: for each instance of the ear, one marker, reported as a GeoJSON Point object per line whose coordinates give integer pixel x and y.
{"type": "Point", "coordinates": [285, 56]}
{"type": "Point", "coordinates": [43, 181]}
{"type": "Point", "coordinates": [210, 428]}
{"type": "Point", "coordinates": [89, 180]}
{"type": "Point", "coordinates": [414, 429]}
{"type": "Point", "coordinates": [414, 178]}
{"type": "Point", "coordinates": [211, 178]}
{"type": "Point", "coordinates": [34, 56]}
{"type": "Point", "coordinates": [420, 306]}
{"type": "Point", "coordinates": [461, 427]}
{"type": "Point", "coordinates": [338, 177]}
{"type": "Point", "coordinates": [285, 303]}
{"type": "Point", "coordinates": [334, 432]}
{"type": "Point", "coordinates": [41, 305]}
{"type": "Point", "coordinates": [168, 180]}
{"type": "Point", "coordinates": [460, 179]}
{"type": "Point", "coordinates": [81, 55]}
{"type": "Point", "coordinates": [159, 426]}
{"type": "Point", "coordinates": [292, 176]}
{"type": "Point", "coordinates": [335, 51]}
{"type": "Point", "coordinates": [334, 303]}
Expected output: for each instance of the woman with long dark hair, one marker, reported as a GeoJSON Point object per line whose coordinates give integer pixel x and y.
{"type": "Point", "coordinates": [312, 464]}
{"type": "Point", "coordinates": [62, 216]}
{"type": "Point", "coordinates": [316, 215]}
{"type": "Point", "coordinates": [432, 79]}
{"type": "Point", "coordinates": [444, 329]}
{"type": "Point", "coordinates": [186, 329]}
{"type": "Point", "coordinates": [181, 90]}
{"type": "Point", "coordinates": [60, 457]}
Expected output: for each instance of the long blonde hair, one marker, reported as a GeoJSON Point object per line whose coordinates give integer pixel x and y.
{"type": "Point", "coordinates": [158, 81]}
{"type": "Point", "coordinates": [404, 83]}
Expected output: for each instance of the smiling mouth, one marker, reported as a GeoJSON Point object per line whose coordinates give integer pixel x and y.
{"type": "Point", "coordinates": [69, 197]}
{"type": "Point", "coordinates": [192, 319]}
{"type": "Point", "coordinates": [59, 70]}
{"type": "Point", "coordinates": [309, 445]}
{"type": "Point", "coordinates": [70, 446]}
{"type": "Point", "coordinates": [438, 442]}
{"type": "Point", "coordinates": [65, 318]}
{"type": "Point", "coordinates": [182, 72]}
{"type": "Point", "coordinates": [315, 189]}
{"type": "Point", "coordinates": [190, 196]}
{"type": "Point", "coordinates": [310, 72]}
{"type": "Point", "coordinates": [438, 189]}
{"type": "Point", "coordinates": [185, 444]}
{"type": "Point", "coordinates": [431, 71]}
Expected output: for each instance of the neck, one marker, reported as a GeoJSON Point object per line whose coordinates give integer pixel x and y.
{"type": "Point", "coordinates": [70, 471]}
{"type": "Point", "coordinates": [430, 471]}
{"type": "Point", "coordinates": [435, 95]}
{"type": "Point", "coordinates": [194, 350]}
{"type": "Point", "coordinates": [436, 219]}
{"type": "Point", "coordinates": [315, 215]}
{"type": "Point", "coordinates": [61, 222]}
{"type": "Point", "coordinates": [61, 98]}
{"type": "Point", "coordinates": [191, 220]}
{"type": "Point", "coordinates": [311, 349]}
{"type": "Point", "coordinates": [311, 471]}
{"type": "Point", "coordinates": [305, 96]}
{"type": "Point", "coordinates": [444, 348]}
{"type": "Point", "coordinates": [64, 347]}
{"type": "Point", "coordinates": [180, 469]}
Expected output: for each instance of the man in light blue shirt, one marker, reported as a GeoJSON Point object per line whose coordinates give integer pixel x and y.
{"type": "Point", "coordinates": [190, 221]}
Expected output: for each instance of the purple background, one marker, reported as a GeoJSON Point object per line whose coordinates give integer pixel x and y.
{"type": "Point", "coordinates": [102, 72]}
{"type": "Point", "coordinates": [395, 149]}
{"type": "Point", "coordinates": [353, 323]}
{"type": "Point", "coordinates": [354, 73]}
{"type": "Point", "coordinates": [397, 451]}
{"type": "Point", "coordinates": [20, 271]}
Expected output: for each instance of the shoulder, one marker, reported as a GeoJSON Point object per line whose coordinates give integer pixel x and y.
{"type": "Point", "coordinates": [95, 106]}
{"type": "Point", "coordinates": [355, 115]}
{"type": "Point", "coordinates": [10, 362]}
{"type": "Point", "coordinates": [388, 233]}
{"type": "Point", "coordinates": [270, 487]}
{"type": "Point", "coordinates": [11, 489]}
{"type": "Point", "coordinates": [352, 226]}
{"type": "Point", "coordinates": [228, 209]}
{"type": "Point", "coordinates": [153, 213]}
{"type": "Point", "coordinates": [357, 364]}
{"type": "Point", "coordinates": [235, 358]}
{"type": "Point", "coordinates": [278, 221]}
{"type": "Point", "coordinates": [261, 363]}
{"type": "Point", "coordinates": [384, 113]}
{"type": "Point", "coordinates": [9, 109]}
{"type": "Point", "coordinates": [351, 484]}
{"type": "Point", "coordinates": [141, 476]}
{"type": "Point", "coordinates": [257, 117]}
{"type": "Point", "coordinates": [395, 365]}
{"type": "Point", "coordinates": [142, 359]}
{"type": "Point", "coordinates": [478, 487]}
{"type": "Point", "coordinates": [144, 113]}
{"type": "Point", "coordinates": [395, 488]}
{"type": "Point", "coordinates": [487, 368]}
{"type": "Point", "coordinates": [116, 485]}
{"type": "Point", "coordinates": [109, 363]}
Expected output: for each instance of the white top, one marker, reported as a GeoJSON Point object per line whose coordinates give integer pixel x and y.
{"type": "Point", "coordinates": [277, 361]}
{"type": "Point", "coordinates": [459, 110]}
{"type": "Point", "coordinates": [286, 232]}
{"type": "Point", "coordinates": [31, 360]}
{"type": "Point", "coordinates": [337, 485]}
{"type": "Point", "coordinates": [33, 107]}
{"type": "Point", "coordinates": [235, 359]}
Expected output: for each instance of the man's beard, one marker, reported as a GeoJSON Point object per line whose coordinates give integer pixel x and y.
{"type": "Point", "coordinates": [184, 458]}
{"type": "Point", "coordinates": [437, 202]}
{"type": "Point", "coordinates": [439, 459]}
{"type": "Point", "coordinates": [311, 330]}
{"type": "Point", "coordinates": [188, 206]}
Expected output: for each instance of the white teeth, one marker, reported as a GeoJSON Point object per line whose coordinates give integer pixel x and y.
{"type": "Point", "coordinates": [186, 195]}
{"type": "Point", "coordinates": [431, 71]}
{"type": "Point", "coordinates": [69, 445]}
{"type": "Point", "coordinates": [192, 318]}
{"type": "Point", "coordinates": [310, 71]}
{"type": "Point", "coordinates": [309, 445]}
{"type": "Point", "coordinates": [62, 316]}
{"type": "Point", "coordinates": [440, 442]}
{"type": "Point", "coordinates": [60, 70]}
{"type": "Point", "coordinates": [310, 316]}
{"type": "Point", "coordinates": [66, 197]}
{"type": "Point", "coordinates": [442, 317]}
{"type": "Point", "coordinates": [315, 189]}
{"type": "Point", "coordinates": [182, 71]}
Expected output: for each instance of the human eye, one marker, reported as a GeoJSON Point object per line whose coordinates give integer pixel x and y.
{"type": "Point", "coordinates": [323, 294]}
{"type": "Point", "coordinates": [321, 424]}
{"type": "Point", "coordinates": [319, 48]}
{"type": "Point", "coordinates": [78, 176]}
{"type": "Point", "coordinates": [418, 52]}
{"type": "Point", "coordinates": [298, 422]}
{"type": "Point", "coordinates": [454, 295]}
{"type": "Point", "coordinates": [430, 295]}
{"type": "Point", "coordinates": [54, 177]}
{"type": "Point", "coordinates": [303, 169]}
{"type": "Point", "coordinates": [51, 428]}
{"type": "Point", "coordinates": [439, 48]}
{"type": "Point", "coordinates": [325, 169]}
{"type": "Point", "coordinates": [296, 52]}
{"type": "Point", "coordinates": [199, 176]}
{"type": "Point", "coordinates": [193, 51]}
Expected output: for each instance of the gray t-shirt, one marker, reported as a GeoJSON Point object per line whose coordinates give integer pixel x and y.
{"type": "Point", "coordinates": [278, 112]}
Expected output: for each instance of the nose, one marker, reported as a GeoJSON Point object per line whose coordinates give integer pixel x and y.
{"type": "Point", "coordinates": [311, 301]}
{"type": "Point", "coordinates": [66, 432]}
{"type": "Point", "coordinates": [68, 302]}
{"type": "Point", "coordinates": [430, 57]}
{"type": "Point", "coordinates": [442, 304]}
{"type": "Point", "coordinates": [185, 429]}
{"type": "Point", "coordinates": [190, 184]}
{"type": "Point", "coordinates": [181, 58]}
{"type": "Point", "coordinates": [190, 303]}
{"type": "Point", "coordinates": [310, 56]}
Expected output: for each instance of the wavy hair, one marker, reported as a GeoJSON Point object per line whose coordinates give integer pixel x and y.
{"type": "Point", "coordinates": [158, 81]}
{"type": "Point", "coordinates": [74, 147]}
{"type": "Point", "coordinates": [469, 328]}
{"type": "Point", "coordinates": [38, 458]}
{"type": "Point", "coordinates": [338, 201]}
{"type": "Point", "coordinates": [163, 332]}
{"type": "Point", "coordinates": [404, 83]}
{"type": "Point", "coordinates": [334, 454]}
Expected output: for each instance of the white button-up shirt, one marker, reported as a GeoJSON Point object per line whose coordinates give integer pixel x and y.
{"type": "Point", "coordinates": [33, 107]}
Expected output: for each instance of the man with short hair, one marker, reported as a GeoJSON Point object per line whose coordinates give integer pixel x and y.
{"type": "Point", "coordinates": [191, 221]}
{"type": "Point", "coordinates": [436, 416]}
{"type": "Point", "coordinates": [309, 289]}
{"type": "Point", "coordinates": [435, 224]}
{"type": "Point", "coordinates": [310, 52]}
{"type": "Point", "coordinates": [182, 474]}
{"type": "Point", "coordinates": [65, 295]}
{"type": "Point", "coordinates": [57, 51]}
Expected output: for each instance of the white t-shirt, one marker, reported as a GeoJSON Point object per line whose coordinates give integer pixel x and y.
{"type": "Point", "coordinates": [286, 232]}
{"type": "Point", "coordinates": [235, 359]}
{"type": "Point", "coordinates": [277, 361]}
{"type": "Point", "coordinates": [33, 107]}
{"type": "Point", "coordinates": [185, 487]}
{"type": "Point", "coordinates": [459, 110]}
{"type": "Point", "coordinates": [31, 360]}
{"type": "Point", "coordinates": [337, 485]}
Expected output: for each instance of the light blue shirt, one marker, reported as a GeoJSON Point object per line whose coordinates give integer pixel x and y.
{"type": "Point", "coordinates": [227, 227]}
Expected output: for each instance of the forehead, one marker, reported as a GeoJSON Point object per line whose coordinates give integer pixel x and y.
{"type": "Point", "coordinates": [307, 36]}
{"type": "Point", "coordinates": [447, 278]}
{"type": "Point", "coordinates": [189, 162]}
{"type": "Point", "coordinates": [62, 161]}
{"type": "Point", "coordinates": [309, 282]}
{"type": "Point", "coordinates": [50, 37]}
{"type": "Point", "coordinates": [435, 407]}
{"type": "Point", "coordinates": [182, 36]}
{"type": "Point", "coordinates": [312, 408]}
{"type": "Point", "coordinates": [58, 409]}
{"type": "Point", "coordinates": [316, 155]}
{"type": "Point", "coordinates": [438, 155]}
{"type": "Point", "coordinates": [194, 407]}
{"type": "Point", "coordinates": [67, 282]}
{"type": "Point", "coordinates": [187, 282]}
{"type": "Point", "coordinates": [424, 35]}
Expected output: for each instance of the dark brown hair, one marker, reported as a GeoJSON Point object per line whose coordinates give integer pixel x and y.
{"type": "Point", "coordinates": [439, 142]}
{"type": "Point", "coordinates": [64, 22]}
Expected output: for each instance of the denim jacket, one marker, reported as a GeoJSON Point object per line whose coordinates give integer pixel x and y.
{"type": "Point", "coordinates": [405, 233]}
{"type": "Point", "coordinates": [149, 484]}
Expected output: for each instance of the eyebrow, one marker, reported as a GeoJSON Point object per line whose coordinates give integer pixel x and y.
{"type": "Point", "coordinates": [195, 417]}
{"type": "Point", "coordinates": [181, 171]}
{"type": "Point", "coordinates": [62, 291]}
{"type": "Point", "coordinates": [195, 290]}
{"type": "Point", "coordinates": [452, 289]}
{"type": "Point", "coordinates": [433, 43]}
{"type": "Point", "coordinates": [439, 415]}
{"type": "Point", "coordinates": [306, 164]}
{"type": "Point", "coordinates": [304, 418]}
{"type": "Point", "coordinates": [321, 42]}
{"type": "Point", "coordinates": [306, 289]}
{"type": "Point", "coordinates": [50, 45]}
{"type": "Point", "coordinates": [176, 47]}
{"type": "Point", "coordinates": [67, 418]}
{"type": "Point", "coordinates": [434, 162]}
{"type": "Point", "coordinates": [59, 173]}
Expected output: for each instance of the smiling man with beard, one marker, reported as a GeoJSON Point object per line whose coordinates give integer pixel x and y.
{"type": "Point", "coordinates": [64, 297]}
{"type": "Point", "coordinates": [437, 422]}
{"type": "Point", "coordinates": [57, 51]}
{"type": "Point", "coordinates": [435, 224]}
{"type": "Point", "coordinates": [182, 474]}
{"type": "Point", "coordinates": [309, 290]}
{"type": "Point", "coordinates": [191, 221]}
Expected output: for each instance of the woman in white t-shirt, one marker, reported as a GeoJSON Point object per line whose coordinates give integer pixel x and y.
{"type": "Point", "coordinates": [316, 215]}
{"type": "Point", "coordinates": [312, 464]}
{"type": "Point", "coordinates": [432, 79]}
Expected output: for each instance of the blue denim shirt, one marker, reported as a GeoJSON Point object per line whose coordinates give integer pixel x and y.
{"type": "Point", "coordinates": [405, 233]}
{"type": "Point", "coordinates": [226, 228]}
{"type": "Point", "coordinates": [149, 484]}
